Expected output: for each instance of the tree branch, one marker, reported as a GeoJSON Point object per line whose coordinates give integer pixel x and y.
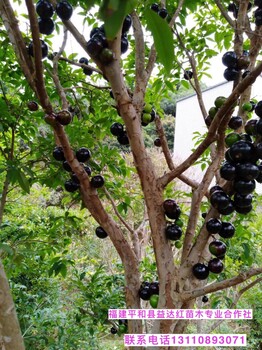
{"type": "Point", "coordinates": [242, 277]}
{"type": "Point", "coordinates": [225, 13]}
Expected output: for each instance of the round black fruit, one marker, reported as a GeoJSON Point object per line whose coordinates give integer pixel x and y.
{"type": "Point", "coordinates": [58, 153]}
{"type": "Point", "coordinates": [88, 170]}
{"type": "Point", "coordinates": [155, 7]}
{"type": "Point", "coordinates": [46, 26]}
{"type": "Point", "coordinates": [215, 188]}
{"type": "Point", "coordinates": [227, 230]}
{"type": "Point", "coordinates": [100, 232]}
{"type": "Point", "coordinates": [32, 106]}
{"type": "Point", "coordinates": [251, 127]}
{"type": "Point", "coordinates": [231, 74]}
{"type": "Point", "coordinates": [219, 200]}
{"type": "Point", "coordinates": [157, 142]}
{"type": "Point", "coordinates": [71, 186]}
{"type": "Point", "coordinates": [97, 181]}
{"type": "Point", "coordinates": [66, 166]}
{"type": "Point", "coordinates": [83, 60]}
{"type": "Point", "coordinates": [215, 265]}
{"type": "Point", "coordinates": [117, 129]}
{"type": "Point", "coordinates": [173, 232]}
{"type": "Point", "coordinates": [247, 171]}
{"type": "Point", "coordinates": [163, 12]}
{"type": "Point", "coordinates": [217, 248]}
{"type": "Point", "coordinates": [229, 59]}
{"type": "Point", "coordinates": [94, 46]}
{"type": "Point", "coordinates": [172, 210]}
{"type": "Point", "coordinates": [228, 210]}
{"type": "Point", "coordinates": [243, 210]}
{"type": "Point", "coordinates": [228, 171]}
{"type": "Point", "coordinates": [64, 10]}
{"type": "Point", "coordinates": [242, 151]}
{"type": "Point", "coordinates": [83, 154]}
{"type": "Point", "coordinates": [113, 330]}
{"type": "Point", "coordinates": [124, 44]}
{"type": "Point", "coordinates": [244, 187]}
{"type": "Point", "coordinates": [213, 225]}
{"type": "Point", "coordinates": [258, 109]}
{"type": "Point", "coordinates": [127, 24]}
{"type": "Point", "coordinates": [154, 287]}
{"type": "Point", "coordinates": [200, 271]}
{"type": "Point", "coordinates": [205, 299]}
{"type": "Point", "coordinates": [235, 122]}
{"type": "Point", "coordinates": [123, 139]}
{"type": "Point", "coordinates": [87, 71]}
{"type": "Point", "coordinates": [64, 117]}
{"type": "Point", "coordinates": [188, 74]}
{"type": "Point", "coordinates": [44, 49]}
{"type": "Point", "coordinates": [242, 201]}
{"type": "Point", "coordinates": [44, 9]}
{"type": "Point", "coordinates": [145, 293]}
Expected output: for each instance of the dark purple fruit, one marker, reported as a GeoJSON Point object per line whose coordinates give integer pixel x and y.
{"type": "Point", "coordinates": [46, 26]}
{"type": "Point", "coordinates": [124, 45]}
{"type": "Point", "coordinates": [66, 166]}
{"type": "Point", "coordinates": [83, 60]}
{"type": "Point", "coordinates": [242, 151]}
{"type": "Point", "coordinates": [231, 7]}
{"type": "Point", "coordinates": [58, 153]}
{"type": "Point", "coordinates": [235, 122]}
{"type": "Point", "coordinates": [75, 178]}
{"type": "Point", "coordinates": [217, 248]}
{"type": "Point", "coordinates": [155, 7]}
{"type": "Point", "coordinates": [163, 12]}
{"type": "Point", "coordinates": [44, 49]}
{"type": "Point", "coordinates": [144, 293]}
{"type": "Point", "coordinates": [247, 171]}
{"type": "Point", "coordinates": [245, 74]}
{"type": "Point", "coordinates": [44, 9]}
{"type": "Point", "coordinates": [244, 187]}
{"type": "Point", "coordinates": [94, 47]}
{"type": "Point", "coordinates": [258, 109]}
{"type": "Point", "coordinates": [229, 59]}
{"type": "Point", "coordinates": [87, 71]}
{"type": "Point", "coordinates": [97, 181]}
{"type": "Point", "coordinates": [100, 232]}
{"type": "Point", "coordinates": [154, 287]}
{"type": "Point", "coordinates": [117, 129]}
{"type": "Point", "coordinates": [123, 139]}
{"type": "Point", "coordinates": [242, 201]}
{"type": "Point", "coordinates": [157, 142]}
{"type": "Point", "coordinates": [215, 188]}
{"type": "Point", "coordinates": [200, 271]}
{"type": "Point", "coordinates": [231, 74]}
{"type": "Point", "coordinates": [127, 24]}
{"type": "Point", "coordinates": [208, 121]}
{"type": "Point", "coordinates": [171, 209]}
{"type": "Point", "coordinates": [228, 171]}
{"type": "Point", "coordinates": [246, 137]}
{"type": "Point", "coordinates": [113, 330]}
{"type": "Point", "coordinates": [219, 200]}
{"type": "Point", "coordinates": [227, 230]}
{"type": "Point", "coordinates": [173, 232]}
{"type": "Point", "coordinates": [251, 127]}
{"type": "Point", "coordinates": [71, 186]}
{"type": "Point", "coordinates": [95, 31]}
{"type": "Point", "coordinates": [244, 210]}
{"type": "Point", "coordinates": [64, 10]}
{"type": "Point", "coordinates": [83, 154]}
{"type": "Point", "coordinates": [213, 225]}
{"type": "Point", "coordinates": [228, 210]}
{"type": "Point", "coordinates": [88, 170]}
{"type": "Point", "coordinates": [205, 299]}
{"type": "Point", "coordinates": [215, 265]}
{"type": "Point", "coordinates": [32, 106]}
{"type": "Point", "coordinates": [188, 74]}
{"type": "Point", "coordinates": [64, 117]}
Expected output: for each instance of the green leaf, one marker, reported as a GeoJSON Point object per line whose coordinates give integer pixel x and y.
{"type": "Point", "coordinates": [163, 38]}
{"type": "Point", "coordinates": [23, 182]}
{"type": "Point", "coordinates": [113, 12]}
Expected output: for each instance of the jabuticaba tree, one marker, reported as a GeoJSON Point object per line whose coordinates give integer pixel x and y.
{"type": "Point", "coordinates": [138, 72]}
